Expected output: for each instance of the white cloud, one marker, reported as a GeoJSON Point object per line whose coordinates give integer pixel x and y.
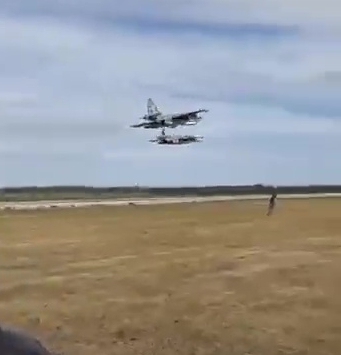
{"type": "Point", "coordinates": [74, 76]}
{"type": "Point", "coordinates": [289, 12]}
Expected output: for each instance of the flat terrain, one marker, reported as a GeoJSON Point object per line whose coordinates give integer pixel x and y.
{"type": "Point", "coordinates": [212, 278]}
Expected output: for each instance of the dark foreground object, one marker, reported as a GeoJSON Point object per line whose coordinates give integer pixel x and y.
{"type": "Point", "coordinates": [17, 342]}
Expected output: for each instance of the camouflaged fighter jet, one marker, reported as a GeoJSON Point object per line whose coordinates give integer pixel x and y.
{"type": "Point", "coordinates": [163, 138]}
{"type": "Point", "coordinates": [155, 119]}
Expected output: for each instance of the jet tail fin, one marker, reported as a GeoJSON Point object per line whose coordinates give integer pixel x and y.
{"type": "Point", "coordinates": [152, 109]}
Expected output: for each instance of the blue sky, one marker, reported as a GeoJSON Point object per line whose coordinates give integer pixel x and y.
{"type": "Point", "coordinates": [75, 74]}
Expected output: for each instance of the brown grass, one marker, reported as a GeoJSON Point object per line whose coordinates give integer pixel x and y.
{"type": "Point", "coordinates": [211, 278]}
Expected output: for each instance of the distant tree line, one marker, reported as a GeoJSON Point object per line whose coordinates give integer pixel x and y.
{"type": "Point", "coordinates": [89, 192]}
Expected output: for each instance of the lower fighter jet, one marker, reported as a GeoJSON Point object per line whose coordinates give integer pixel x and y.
{"type": "Point", "coordinates": [163, 138]}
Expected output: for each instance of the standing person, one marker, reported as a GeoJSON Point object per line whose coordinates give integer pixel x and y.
{"type": "Point", "coordinates": [272, 203]}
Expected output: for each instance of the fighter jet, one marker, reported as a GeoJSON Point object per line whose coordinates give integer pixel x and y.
{"type": "Point", "coordinates": [156, 119]}
{"type": "Point", "coordinates": [163, 138]}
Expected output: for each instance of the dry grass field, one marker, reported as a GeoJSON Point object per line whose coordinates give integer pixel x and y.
{"type": "Point", "coordinates": [210, 278]}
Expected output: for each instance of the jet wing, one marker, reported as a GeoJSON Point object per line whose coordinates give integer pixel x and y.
{"type": "Point", "coordinates": [181, 116]}
{"type": "Point", "coordinates": [138, 125]}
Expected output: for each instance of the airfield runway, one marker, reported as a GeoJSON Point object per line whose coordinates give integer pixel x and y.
{"type": "Point", "coordinates": [28, 205]}
{"type": "Point", "coordinates": [196, 278]}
